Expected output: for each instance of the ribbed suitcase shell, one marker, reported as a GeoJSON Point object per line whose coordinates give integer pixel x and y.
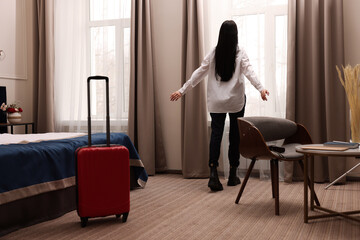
{"type": "Point", "coordinates": [103, 181]}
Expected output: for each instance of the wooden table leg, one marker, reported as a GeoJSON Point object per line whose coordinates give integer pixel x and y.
{"type": "Point", "coordinates": [312, 190]}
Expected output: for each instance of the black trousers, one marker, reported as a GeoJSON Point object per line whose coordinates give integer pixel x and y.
{"type": "Point", "coordinates": [217, 129]}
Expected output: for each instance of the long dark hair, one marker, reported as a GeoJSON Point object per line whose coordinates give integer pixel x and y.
{"type": "Point", "coordinates": [225, 52]}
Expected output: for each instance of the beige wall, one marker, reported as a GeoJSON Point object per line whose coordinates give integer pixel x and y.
{"type": "Point", "coordinates": [166, 35]}
{"type": "Point", "coordinates": [352, 31]}
{"type": "Point", "coordinates": [352, 48]}
{"type": "Point", "coordinates": [22, 91]}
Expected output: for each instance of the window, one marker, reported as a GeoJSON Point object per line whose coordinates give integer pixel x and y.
{"type": "Point", "coordinates": [262, 26]}
{"type": "Point", "coordinates": [92, 37]}
{"type": "Point", "coordinates": [109, 44]}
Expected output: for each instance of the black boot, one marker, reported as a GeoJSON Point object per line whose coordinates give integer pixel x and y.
{"type": "Point", "coordinates": [214, 182]}
{"type": "Point", "coordinates": [233, 178]}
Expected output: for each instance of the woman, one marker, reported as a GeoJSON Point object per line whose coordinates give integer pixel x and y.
{"type": "Point", "coordinates": [225, 67]}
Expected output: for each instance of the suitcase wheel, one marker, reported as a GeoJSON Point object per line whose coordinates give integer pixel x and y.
{"type": "Point", "coordinates": [125, 216]}
{"type": "Point", "coordinates": [84, 221]}
{"type": "Point", "coordinates": [117, 215]}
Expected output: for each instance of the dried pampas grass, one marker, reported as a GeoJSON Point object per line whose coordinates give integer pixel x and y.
{"type": "Point", "coordinates": [351, 84]}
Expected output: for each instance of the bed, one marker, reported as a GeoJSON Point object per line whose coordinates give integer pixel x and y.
{"type": "Point", "coordinates": [37, 175]}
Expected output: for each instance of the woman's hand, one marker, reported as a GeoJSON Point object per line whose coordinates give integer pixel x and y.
{"type": "Point", "coordinates": [264, 93]}
{"type": "Point", "coordinates": [175, 96]}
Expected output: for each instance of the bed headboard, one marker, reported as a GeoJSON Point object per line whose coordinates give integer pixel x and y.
{"type": "Point", "coordinates": [2, 114]}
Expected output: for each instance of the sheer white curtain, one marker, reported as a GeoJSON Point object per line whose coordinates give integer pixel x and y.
{"type": "Point", "coordinates": [92, 37]}
{"type": "Point", "coordinates": [262, 31]}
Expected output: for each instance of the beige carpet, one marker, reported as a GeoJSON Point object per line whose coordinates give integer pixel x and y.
{"type": "Point", "coordinates": [171, 207]}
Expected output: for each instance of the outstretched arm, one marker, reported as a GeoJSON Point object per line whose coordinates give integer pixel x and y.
{"type": "Point", "coordinates": [247, 70]}
{"type": "Point", "coordinates": [197, 76]}
{"type": "Point", "coordinates": [175, 96]}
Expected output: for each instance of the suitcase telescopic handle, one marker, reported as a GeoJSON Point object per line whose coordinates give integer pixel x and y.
{"type": "Point", "coordinates": [107, 108]}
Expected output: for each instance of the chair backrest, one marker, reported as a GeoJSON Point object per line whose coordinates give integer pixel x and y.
{"type": "Point", "coordinates": [272, 128]}
{"type": "Point", "coordinates": [256, 131]}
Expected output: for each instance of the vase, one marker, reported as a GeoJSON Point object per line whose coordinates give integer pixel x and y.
{"type": "Point", "coordinates": [355, 126]}
{"type": "Point", "coordinates": [14, 117]}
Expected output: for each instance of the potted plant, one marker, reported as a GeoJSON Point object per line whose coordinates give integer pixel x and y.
{"type": "Point", "coordinates": [13, 112]}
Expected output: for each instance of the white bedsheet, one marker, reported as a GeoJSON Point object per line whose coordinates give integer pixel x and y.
{"type": "Point", "coordinates": [6, 138]}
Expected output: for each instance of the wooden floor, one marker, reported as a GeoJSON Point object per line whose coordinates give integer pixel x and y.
{"type": "Point", "coordinates": [170, 207]}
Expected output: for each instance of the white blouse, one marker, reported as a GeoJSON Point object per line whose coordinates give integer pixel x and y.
{"type": "Point", "coordinates": [223, 97]}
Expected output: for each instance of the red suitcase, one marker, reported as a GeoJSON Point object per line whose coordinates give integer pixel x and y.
{"type": "Point", "coordinates": [102, 174]}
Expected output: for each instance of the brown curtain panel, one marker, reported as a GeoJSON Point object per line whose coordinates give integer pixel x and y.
{"type": "Point", "coordinates": [194, 137]}
{"type": "Point", "coordinates": [144, 126]}
{"type": "Point", "coordinates": [44, 104]}
{"type": "Point", "coordinates": [315, 96]}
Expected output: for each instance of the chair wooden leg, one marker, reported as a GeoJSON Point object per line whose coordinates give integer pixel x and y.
{"type": "Point", "coordinates": [275, 184]}
{"type": "Point", "coordinates": [245, 180]}
{"type": "Point", "coordinates": [309, 183]}
{"type": "Point", "coordinates": [272, 178]}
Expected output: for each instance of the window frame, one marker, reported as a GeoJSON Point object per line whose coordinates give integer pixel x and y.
{"type": "Point", "coordinates": [270, 13]}
{"type": "Point", "coordinates": [120, 25]}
